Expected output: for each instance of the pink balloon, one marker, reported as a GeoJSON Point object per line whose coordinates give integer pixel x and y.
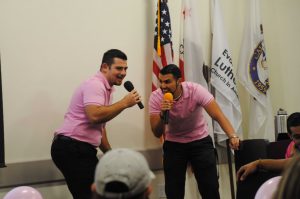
{"type": "Point", "coordinates": [23, 192]}
{"type": "Point", "coordinates": [268, 188]}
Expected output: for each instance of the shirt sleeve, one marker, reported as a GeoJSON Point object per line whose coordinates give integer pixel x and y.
{"type": "Point", "coordinates": [154, 103]}
{"type": "Point", "coordinates": [93, 94]}
{"type": "Point", "coordinates": [202, 95]}
{"type": "Point", "coordinates": [289, 150]}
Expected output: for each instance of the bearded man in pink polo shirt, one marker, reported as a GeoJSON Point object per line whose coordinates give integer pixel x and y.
{"type": "Point", "coordinates": [186, 133]}
{"type": "Point", "coordinates": [83, 130]}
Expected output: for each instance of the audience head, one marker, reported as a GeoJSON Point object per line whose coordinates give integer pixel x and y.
{"type": "Point", "coordinates": [289, 185]}
{"type": "Point", "coordinates": [122, 173]}
{"type": "Point", "coordinates": [293, 126]}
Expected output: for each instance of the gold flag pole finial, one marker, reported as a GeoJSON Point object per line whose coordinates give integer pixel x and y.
{"type": "Point", "coordinates": [158, 29]}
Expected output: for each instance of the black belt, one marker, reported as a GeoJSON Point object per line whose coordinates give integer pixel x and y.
{"type": "Point", "coordinates": [63, 137]}
{"type": "Point", "coordinates": [69, 139]}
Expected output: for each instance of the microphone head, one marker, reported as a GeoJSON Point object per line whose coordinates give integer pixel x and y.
{"type": "Point", "coordinates": [168, 96]}
{"type": "Point", "coordinates": [128, 86]}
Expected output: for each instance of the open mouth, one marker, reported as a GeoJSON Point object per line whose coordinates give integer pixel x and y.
{"type": "Point", "coordinates": [120, 78]}
{"type": "Point", "coordinates": [165, 91]}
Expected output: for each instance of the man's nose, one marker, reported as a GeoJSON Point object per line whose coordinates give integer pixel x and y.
{"type": "Point", "coordinates": [123, 72]}
{"type": "Point", "coordinates": [163, 85]}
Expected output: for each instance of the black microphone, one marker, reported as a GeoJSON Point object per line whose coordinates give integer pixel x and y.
{"type": "Point", "coordinates": [166, 117]}
{"type": "Point", "coordinates": [129, 87]}
{"type": "Point", "coordinates": [167, 96]}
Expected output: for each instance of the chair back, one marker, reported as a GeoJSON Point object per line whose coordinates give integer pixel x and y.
{"type": "Point", "coordinates": [277, 150]}
{"type": "Point", "coordinates": [249, 151]}
{"type": "Point", "coordinates": [252, 150]}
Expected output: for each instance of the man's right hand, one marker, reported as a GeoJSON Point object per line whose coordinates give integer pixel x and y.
{"type": "Point", "coordinates": [131, 99]}
{"type": "Point", "coordinates": [166, 105]}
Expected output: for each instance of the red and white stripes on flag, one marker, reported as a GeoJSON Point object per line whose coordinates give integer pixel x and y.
{"type": "Point", "coordinates": [163, 51]}
{"type": "Point", "coordinates": [253, 75]}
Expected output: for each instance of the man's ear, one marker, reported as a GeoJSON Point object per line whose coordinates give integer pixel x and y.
{"type": "Point", "coordinates": [179, 80]}
{"type": "Point", "coordinates": [104, 67]}
{"type": "Point", "coordinates": [149, 190]}
{"type": "Point", "coordinates": [93, 187]}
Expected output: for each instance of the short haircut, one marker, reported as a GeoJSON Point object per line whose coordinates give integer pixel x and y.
{"type": "Point", "coordinates": [171, 69]}
{"type": "Point", "coordinates": [293, 120]}
{"type": "Point", "coordinates": [108, 56]}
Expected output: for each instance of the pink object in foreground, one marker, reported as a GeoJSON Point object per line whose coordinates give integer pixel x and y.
{"type": "Point", "coordinates": [268, 188]}
{"type": "Point", "coordinates": [23, 192]}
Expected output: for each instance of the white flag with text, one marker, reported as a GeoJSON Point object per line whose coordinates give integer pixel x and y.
{"type": "Point", "coordinates": [222, 75]}
{"type": "Point", "coordinates": [253, 75]}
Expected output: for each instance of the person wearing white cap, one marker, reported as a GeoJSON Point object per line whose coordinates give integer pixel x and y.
{"type": "Point", "coordinates": [122, 174]}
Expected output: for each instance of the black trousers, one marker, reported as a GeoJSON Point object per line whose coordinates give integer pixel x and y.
{"type": "Point", "coordinates": [77, 161]}
{"type": "Point", "coordinates": [201, 155]}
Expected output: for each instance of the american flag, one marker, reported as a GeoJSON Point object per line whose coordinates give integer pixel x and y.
{"type": "Point", "coordinates": [163, 51]}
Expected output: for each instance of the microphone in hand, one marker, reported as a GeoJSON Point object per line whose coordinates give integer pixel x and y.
{"type": "Point", "coordinates": [167, 96]}
{"type": "Point", "coordinates": [129, 87]}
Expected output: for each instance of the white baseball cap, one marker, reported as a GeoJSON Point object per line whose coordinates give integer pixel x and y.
{"type": "Point", "coordinates": [124, 166]}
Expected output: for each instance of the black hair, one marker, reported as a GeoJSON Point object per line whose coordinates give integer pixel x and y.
{"type": "Point", "coordinates": [119, 187]}
{"type": "Point", "coordinates": [293, 120]}
{"type": "Point", "coordinates": [116, 187]}
{"type": "Point", "coordinates": [288, 186]}
{"type": "Point", "coordinates": [108, 56]}
{"type": "Point", "coordinates": [171, 69]}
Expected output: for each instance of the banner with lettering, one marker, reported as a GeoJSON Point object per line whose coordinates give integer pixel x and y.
{"type": "Point", "coordinates": [222, 75]}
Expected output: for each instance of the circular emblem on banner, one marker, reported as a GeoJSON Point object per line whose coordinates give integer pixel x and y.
{"type": "Point", "coordinates": [259, 70]}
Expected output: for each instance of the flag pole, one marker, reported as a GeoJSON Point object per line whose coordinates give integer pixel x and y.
{"type": "Point", "coordinates": [158, 29]}
{"type": "Point", "coordinates": [2, 149]}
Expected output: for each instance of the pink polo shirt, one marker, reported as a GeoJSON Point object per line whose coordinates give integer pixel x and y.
{"type": "Point", "coordinates": [97, 91]}
{"type": "Point", "coordinates": [290, 150]}
{"type": "Point", "coordinates": [186, 119]}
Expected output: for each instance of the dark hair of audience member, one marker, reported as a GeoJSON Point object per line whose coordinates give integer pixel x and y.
{"type": "Point", "coordinates": [288, 187]}
{"type": "Point", "coordinates": [293, 120]}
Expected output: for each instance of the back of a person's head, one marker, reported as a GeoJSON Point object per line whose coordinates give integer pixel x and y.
{"type": "Point", "coordinates": [108, 56]}
{"type": "Point", "coordinates": [288, 187]}
{"type": "Point", "coordinates": [122, 173]}
{"type": "Point", "coordinates": [292, 121]}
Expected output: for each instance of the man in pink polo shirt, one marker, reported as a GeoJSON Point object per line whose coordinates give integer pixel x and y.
{"type": "Point", "coordinates": [186, 133]}
{"type": "Point", "coordinates": [83, 130]}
